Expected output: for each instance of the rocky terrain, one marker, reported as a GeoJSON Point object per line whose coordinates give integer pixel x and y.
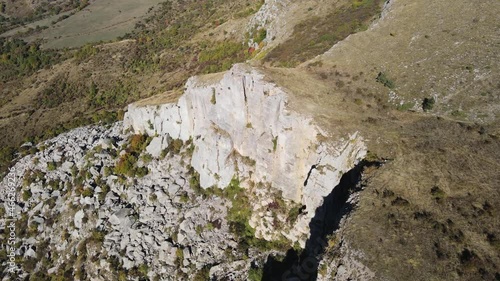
{"type": "Point", "coordinates": [144, 199]}
{"type": "Point", "coordinates": [359, 141]}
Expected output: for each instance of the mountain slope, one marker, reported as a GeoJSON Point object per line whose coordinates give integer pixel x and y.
{"type": "Point", "coordinates": [417, 86]}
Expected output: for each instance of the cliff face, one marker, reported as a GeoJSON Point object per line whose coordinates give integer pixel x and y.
{"type": "Point", "coordinates": [119, 198]}
{"type": "Point", "coordinates": [240, 127]}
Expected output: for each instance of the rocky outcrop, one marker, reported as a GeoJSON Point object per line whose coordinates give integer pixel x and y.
{"type": "Point", "coordinates": [78, 208]}
{"type": "Point", "coordinates": [241, 127]}
{"type": "Point", "coordinates": [237, 126]}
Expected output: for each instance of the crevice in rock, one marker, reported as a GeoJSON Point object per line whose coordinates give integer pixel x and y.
{"type": "Point", "coordinates": [309, 173]}
{"type": "Point", "coordinates": [244, 89]}
{"type": "Point", "coordinates": [304, 265]}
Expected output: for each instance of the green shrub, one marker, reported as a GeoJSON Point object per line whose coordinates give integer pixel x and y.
{"type": "Point", "coordinates": [213, 100]}
{"type": "Point", "coordinates": [179, 257]}
{"type": "Point", "coordinates": [143, 270]}
{"type": "Point", "coordinates": [126, 165]}
{"type": "Point", "coordinates": [202, 274]}
{"type": "Point", "coordinates": [141, 172]}
{"type": "Point", "coordinates": [163, 153]}
{"type": "Point", "coordinates": [51, 166]}
{"type": "Point", "coordinates": [7, 154]}
{"type": "Point", "coordinates": [361, 3]}
{"type": "Point", "coordinates": [29, 264]}
{"type": "Point", "coordinates": [259, 35]}
{"type": "Point", "coordinates": [112, 94]}
{"type": "Point", "coordinates": [209, 226]}
{"type": "Point", "coordinates": [384, 80]}
{"type": "Point", "coordinates": [255, 274]}
{"type": "Point", "coordinates": [437, 193]}
{"type": "Point", "coordinates": [88, 192]}
{"type": "Point", "coordinates": [175, 146]}
{"type": "Point", "coordinates": [54, 184]}
{"type": "Point", "coordinates": [184, 198]}
{"type": "Point", "coordinates": [153, 197]}
{"type": "Point", "coordinates": [138, 143]}
{"type": "Point", "coordinates": [222, 56]}
{"type": "Point", "coordinates": [104, 191]}
{"type": "Point", "coordinates": [20, 58]}
{"type": "Point", "coordinates": [194, 182]}
{"type": "Point", "coordinates": [85, 52]}
{"type": "Point", "coordinates": [199, 229]}
{"type": "Point", "coordinates": [97, 236]}
{"type": "Point", "coordinates": [146, 157]}
{"type": "Point", "coordinates": [428, 104]}
{"type": "Point", "coordinates": [190, 149]}
{"type": "Point", "coordinates": [406, 106]}
{"type": "Point", "coordinates": [458, 114]}
{"type": "Point", "coordinates": [239, 214]}
{"type": "Point", "coordinates": [293, 214]}
{"type": "Point", "coordinates": [27, 195]}
{"type": "Point", "coordinates": [114, 116]}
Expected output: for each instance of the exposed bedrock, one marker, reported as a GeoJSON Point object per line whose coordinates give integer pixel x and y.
{"type": "Point", "coordinates": [241, 127]}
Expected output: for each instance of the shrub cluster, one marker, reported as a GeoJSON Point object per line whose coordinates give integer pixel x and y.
{"type": "Point", "coordinates": [384, 80]}
{"type": "Point", "coordinates": [222, 56]}
{"type": "Point", "coordinates": [19, 58]}
{"type": "Point", "coordinates": [127, 163]}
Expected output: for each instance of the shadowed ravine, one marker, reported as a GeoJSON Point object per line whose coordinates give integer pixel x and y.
{"type": "Point", "coordinates": [326, 220]}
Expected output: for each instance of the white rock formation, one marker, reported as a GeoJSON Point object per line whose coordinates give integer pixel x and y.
{"type": "Point", "coordinates": [78, 219]}
{"type": "Point", "coordinates": [239, 126]}
{"type": "Point", "coordinates": [243, 117]}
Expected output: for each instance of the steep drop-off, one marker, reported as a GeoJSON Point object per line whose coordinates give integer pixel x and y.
{"type": "Point", "coordinates": [240, 127]}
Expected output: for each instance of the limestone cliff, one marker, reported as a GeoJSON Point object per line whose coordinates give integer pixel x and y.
{"type": "Point", "coordinates": [241, 127]}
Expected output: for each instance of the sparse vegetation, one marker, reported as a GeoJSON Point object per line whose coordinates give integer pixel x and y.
{"type": "Point", "coordinates": [202, 274]}
{"type": "Point", "coordinates": [175, 146]}
{"type": "Point", "coordinates": [406, 106]}
{"type": "Point", "coordinates": [259, 35]}
{"type": "Point", "coordinates": [458, 114]}
{"type": "Point", "coordinates": [222, 56]}
{"type": "Point", "coordinates": [213, 100]}
{"type": "Point", "coordinates": [430, 193]}
{"type": "Point", "coordinates": [184, 198]}
{"type": "Point", "coordinates": [293, 214]}
{"type": "Point", "coordinates": [437, 193]}
{"type": "Point", "coordinates": [179, 253]}
{"type": "Point", "coordinates": [315, 35]}
{"type": "Point", "coordinates": [239, 214]}
{"type": "Point", "coordinates": [7, 154]}
{"type": "Point", "coordinates": [86, 52]}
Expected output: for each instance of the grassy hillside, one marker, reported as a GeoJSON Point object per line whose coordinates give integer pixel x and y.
{"type": "Point", "coordinates": [423, 91]}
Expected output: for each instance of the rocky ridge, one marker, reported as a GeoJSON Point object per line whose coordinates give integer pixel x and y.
{"type": "Point", "coordinates": [154, 218]}
{"type": "Point", "coordinates": [240, 127]}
